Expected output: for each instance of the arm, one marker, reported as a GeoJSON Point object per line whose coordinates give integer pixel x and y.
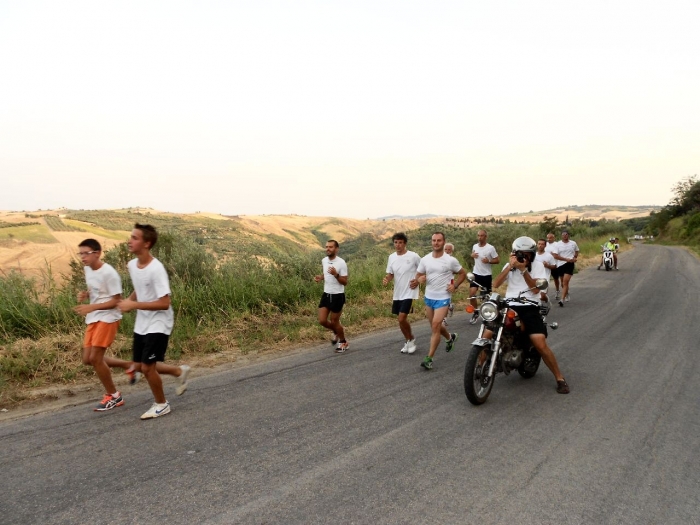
{"type": "Point", "coordinates": [419, 278]}
{"type": "Point", "coordinates": [461, 277]}
{"type": "Point", "coordinates": [128, 305]}
{"type": "Point", "coordinates": [388, 278]}
{"type": "Point", "coordinates": [84, 309]}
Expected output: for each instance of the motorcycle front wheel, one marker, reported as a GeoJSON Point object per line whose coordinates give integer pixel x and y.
{"type": "Point", "coordinates": [531, 362]}
{"type": "Point", "coordinates": [477, 385]}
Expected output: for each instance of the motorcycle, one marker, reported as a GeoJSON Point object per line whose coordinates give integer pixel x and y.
{"type": "Point", "coordinates": [608, 260]}
{"type": "Point", "coordinates": [508, 349]}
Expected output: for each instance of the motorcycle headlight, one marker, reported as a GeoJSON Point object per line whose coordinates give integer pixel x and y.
{"type": "Point", "coordinates": [488, 311]}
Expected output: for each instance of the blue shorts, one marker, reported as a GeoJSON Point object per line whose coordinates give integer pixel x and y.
{"type": "Point", "coordinates": [436, 303]}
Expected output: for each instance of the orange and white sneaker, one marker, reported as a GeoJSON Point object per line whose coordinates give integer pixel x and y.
{"type": "Point", "coordinates": [110, 401]}
{"type": "Point", "coordinates": [342, 347]}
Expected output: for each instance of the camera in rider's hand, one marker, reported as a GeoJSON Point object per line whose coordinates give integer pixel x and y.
{"type": "Point", "coordinates": [519, 256]}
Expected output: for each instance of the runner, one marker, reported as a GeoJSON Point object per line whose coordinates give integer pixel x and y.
{"type": "Point", "coordinates": [566, 255]}
{"type": "Point", "coordinates": [551, 247]}
{"type": "Point", "coordinates": [154, 318]}
{"type": "Point", "coordinates": [335, 278]}
{"type": "Point", "coordinates": [437, 270]}
{"type": "Point", "coordinates": [484, 256]}
{"type": "Point", "coordinates": [401, 268]}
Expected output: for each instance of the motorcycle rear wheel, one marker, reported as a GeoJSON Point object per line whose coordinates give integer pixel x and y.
{"type": "Point", "coordinates": [531, 362]}
{"type": "Point", "coordinates": [477, 386]}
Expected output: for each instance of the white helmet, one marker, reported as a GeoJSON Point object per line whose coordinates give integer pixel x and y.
{"type": "Point", "coordinates": [524, 244]}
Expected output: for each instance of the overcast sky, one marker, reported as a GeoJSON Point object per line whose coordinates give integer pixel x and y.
{"type": "Point", "coordinates": [349, 109]}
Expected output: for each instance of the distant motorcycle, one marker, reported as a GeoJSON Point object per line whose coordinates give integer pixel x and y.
{"type": "Point", "coordinates": [608, 258]}
{"type": "Point", "coordinates": [509, 347]}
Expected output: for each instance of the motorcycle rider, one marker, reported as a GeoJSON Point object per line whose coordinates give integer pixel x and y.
{"type": "Point", "coordinates": [610, 245]}
{"type": "Point", "coordinates": [520, 273]}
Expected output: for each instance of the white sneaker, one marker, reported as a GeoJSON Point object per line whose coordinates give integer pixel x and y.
{"type": "Point", "coordinates": [411, 346]}
{"type": "Point", "coordinates": [568, 297]}
{"type": "Point", "coordinates": [156, 410]}
{"type": "Point", "coordinates": [444, 322]}
{"type": "Point", "coordinates": [404, 349]}
{"type": "Point", "coordinates": [183, 380]}
{"type": "Point", "coordinates": [557, 295]}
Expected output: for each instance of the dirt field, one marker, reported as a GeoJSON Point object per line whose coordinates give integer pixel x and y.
{"type": "Point", "coordinates": [35, 258]}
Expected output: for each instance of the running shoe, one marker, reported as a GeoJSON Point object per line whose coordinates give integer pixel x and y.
{"type": "Point", "coordinates": [561, 303]}
{"type": "Point", "coordinates": [444, 322]}
{"type": "Point", "coordinates": [342, 347]}
{"type": "Point", "coordinates": [427, 363]}
{"type": "Point", "coordinates": [449, 345]}
{"type": "Point", "coordinates": [134, 375]}
{"type": "Point", "coordinates": [556, 296]}
{"type": "Point", "coordinates": [156, 410]}
{"type": "Point", "coordinates": [110, 401]}
{"type": "Point", "coordinates": [411, 346]}
{"type": "Point", "coordinates": [451, 309]}
{"type": "Point", "coordinates": [334, 339]}
{"type": "Point", "coordinates": [404, 349]}
{"type": "Point", "coordinates": [567, 298]}
{"type": "Point", "coordinates": [475, 318]}
{"type": "Point", "coordinates": [183, 379]}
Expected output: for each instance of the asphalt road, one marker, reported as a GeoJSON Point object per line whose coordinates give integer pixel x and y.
{"type": "Point", "coordinates": [370, 437]}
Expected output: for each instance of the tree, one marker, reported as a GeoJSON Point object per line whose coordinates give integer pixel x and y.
{"type": "Point", "coordinates": [681, 189]}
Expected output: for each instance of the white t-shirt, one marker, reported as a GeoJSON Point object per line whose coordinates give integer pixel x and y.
{"type": "Point", "coordinates": [403, 268]}
{"type": "Point", "coordinates": [150, 284]}
{"type": "Point", "coordinates": [546, 258]}
{"type": "Point", "coordinates": [480, 267]}
{"type": "Point", "coordinates": [566, 250]}
{"type": "Point", "coordinates": [439, 271]}
{"type": "Point", "coordinates": [330, 283]}
{"type": "Point", "coordinates": [103, 284]}
{"type": "Point", "coordinates": [516, 282]}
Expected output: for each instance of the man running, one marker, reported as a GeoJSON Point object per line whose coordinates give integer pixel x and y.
{"type": "Point", "coordinates": [484, 256]}
{"type": "Point", "coordinates": [104, 289]}
{"type": "Point", "coordinates": [437, 270]}
{"type": "Point", "coordinates": [549, 263]}
{"type": "Point", "coordinates": [401, 268]}
{"type": "Point", "coordinates": [566, 256]}
{"type": "Point", "coordinates": [335, 278]}
{"type": "Point", "coordinates": [551, 247]}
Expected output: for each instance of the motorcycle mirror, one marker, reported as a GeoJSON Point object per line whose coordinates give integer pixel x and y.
{"type": "Point", "coordinates": [541, 284]}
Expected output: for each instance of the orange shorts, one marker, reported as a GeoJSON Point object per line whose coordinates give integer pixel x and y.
{"type": "Point", "coordinates": [100, 334]}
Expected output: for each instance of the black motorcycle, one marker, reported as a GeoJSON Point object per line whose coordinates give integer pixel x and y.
{"type": "Point", "coordinates": [508, 349]}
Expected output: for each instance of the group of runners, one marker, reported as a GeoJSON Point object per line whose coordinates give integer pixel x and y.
{"type": "Point", "coordinates": [442, 275]}
{"type": "Point", "coordinates": [439, 271]}
{"type": "Point", "coordinates": [153, 325]}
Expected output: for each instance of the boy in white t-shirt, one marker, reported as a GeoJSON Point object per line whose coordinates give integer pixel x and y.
{"type": "Point", "coordinates": [154, 317]}
{"type": "Point", "coordinates": [401, 268]}
{"type": "Point", "coordinates": [104, 289]}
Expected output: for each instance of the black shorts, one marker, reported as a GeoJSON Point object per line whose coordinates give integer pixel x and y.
{"type": "Point", "coordinates": [531, 319]}
{"type": "Point", "coordinates": [555, 273]}
{"type": "Point", "coordinates": [402, 306]}
{"type": "Point", "coordinates": [149, 348]}
{"type": "Point", "coordinates": [567, 268]}
{"type": "Point", "coordinates": [334, 302]}
{"type": "Point", "coordinates": [483, 280]}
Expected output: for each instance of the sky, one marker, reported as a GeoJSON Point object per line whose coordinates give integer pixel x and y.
{"type": "Point", "coordinates": [358, 109]}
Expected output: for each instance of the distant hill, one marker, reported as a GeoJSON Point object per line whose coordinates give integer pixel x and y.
{"type": "Point", "coordinates": [34, 242]}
